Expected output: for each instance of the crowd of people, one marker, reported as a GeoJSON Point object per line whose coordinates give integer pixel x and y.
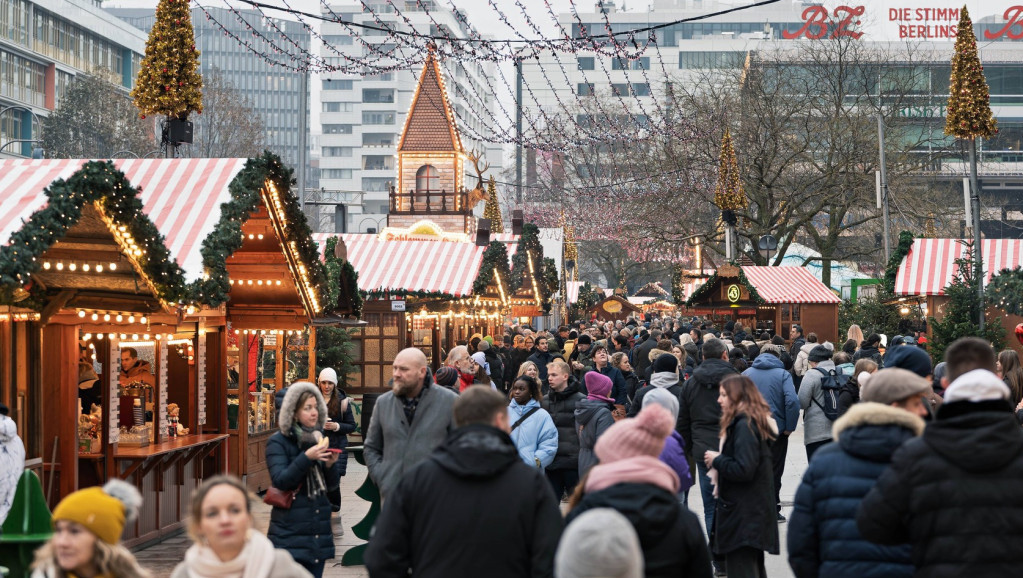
{"type": "Point", "coordinates": [572, 453]}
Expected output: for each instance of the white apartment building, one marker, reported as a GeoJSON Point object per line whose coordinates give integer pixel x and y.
{"type": "Point", "coordinates": [362, 116]}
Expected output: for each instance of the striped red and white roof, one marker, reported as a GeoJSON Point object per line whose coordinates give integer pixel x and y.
{"type": "Point", "coordinates": [433, 266]}
{"type": "Point", "coordinates": [181, 196]}
{"type": "Point", "coordinates": [930, 264]}
{"type": "Point", "coordinates": [788, 285]}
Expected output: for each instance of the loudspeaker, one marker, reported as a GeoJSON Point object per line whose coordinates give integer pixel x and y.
{"type": "Point", "coordinates": [482, 232]}
{"type": "Point", "coordinates": [517, 222]}
{"type": "Point", "coordinates": [178, 131]}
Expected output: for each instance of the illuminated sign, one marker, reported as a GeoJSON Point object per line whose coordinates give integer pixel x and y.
{"type": "Point", "coordinates": [734, 293]}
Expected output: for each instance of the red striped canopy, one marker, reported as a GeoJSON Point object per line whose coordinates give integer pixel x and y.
{"type": "Point", "coordinates": [930, 264]}
{"type": "Point", "coordinates": [788, 285]}
{"type": "Point", "coordinates": [181, 196]}
{"type": "Point", "coordinates": [430, 266]}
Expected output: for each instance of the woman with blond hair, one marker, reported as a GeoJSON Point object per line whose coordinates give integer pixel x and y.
{"type": "Point", "coordinates": [86, 540]}
{"type": "Point", "coordinates": [224, 543]}
{"type": "Point", "coordinates": [745, 518]}
{"type": "Point", "coordinates": [854, 334]}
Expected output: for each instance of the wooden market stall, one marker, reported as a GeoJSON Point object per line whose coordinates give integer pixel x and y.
{"type": "Point", "coordinates": [613, 308]}
{"type": "Point", "coordinates": [929, 267]}
{"type": "Point", "coordinates": [769, 299]}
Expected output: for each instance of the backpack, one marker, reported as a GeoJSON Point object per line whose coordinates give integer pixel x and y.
{"type": "Point", "coordinates": [831, 385]}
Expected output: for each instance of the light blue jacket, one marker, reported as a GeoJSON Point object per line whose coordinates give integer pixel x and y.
{"type": "Point", "coordinates": [537, 437]}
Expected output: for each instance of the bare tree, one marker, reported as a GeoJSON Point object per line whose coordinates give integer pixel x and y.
{"type": "Point", "coordinates": [228, 127]}
{"type": "Point", "coordinates": [96, 119]}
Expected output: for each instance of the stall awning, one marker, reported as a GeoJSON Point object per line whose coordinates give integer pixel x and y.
{"type": "Point", "coordinates": [930, 264]}
{"type": "Point", "coordinates": [788, 285]}
{"type": "Point", "coordinates": [181, 196]}
{"type": "Point", "coordinates": [428, 266]}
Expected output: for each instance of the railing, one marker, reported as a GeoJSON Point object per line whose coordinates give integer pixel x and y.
{"type": "Point", "coordinates": [428, 202]}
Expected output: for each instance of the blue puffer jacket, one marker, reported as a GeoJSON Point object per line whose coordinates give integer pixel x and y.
{"type": "Point", "coordinates": [775, 384]}
{"type": "Point", "coordinates": [537, 437]}
{"type": "Point", "coordinates": [823, 540]}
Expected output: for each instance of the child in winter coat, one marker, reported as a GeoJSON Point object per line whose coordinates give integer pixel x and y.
{"type": "Point", "coordinates": [533, 430]}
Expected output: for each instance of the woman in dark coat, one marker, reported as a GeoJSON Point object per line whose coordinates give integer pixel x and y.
{"type": "Point", "coordinates": [297, 462]}
{"type": "Point", "coordinates": [745, 524]}
{"type": "Point", "coordinates": [341, 423]}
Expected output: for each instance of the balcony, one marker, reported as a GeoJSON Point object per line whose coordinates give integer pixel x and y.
{"type": "Point", "coordinates": [427, 202]}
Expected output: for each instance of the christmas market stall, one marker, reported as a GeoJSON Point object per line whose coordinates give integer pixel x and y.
{"type": "Point", "coordinates": [614, 308]}
{"type": "Point", "coordinates": [770, 299]}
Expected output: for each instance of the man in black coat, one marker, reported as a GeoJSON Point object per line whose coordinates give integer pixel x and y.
{"type": "Point", "coordinates": [699, 414]}
{"type": "Point", "coordinates": [496, 365]}
{"type": "Point", "coordinates": [472, 508]}
{"type": "Point", "coordinates": [560, 402]}
{"type": "Point", "coordinates": [954, 493]}
{"type": "Point", "coordinates": [541, 357]}
{"type": "Point", "coordinates": [641, 353]}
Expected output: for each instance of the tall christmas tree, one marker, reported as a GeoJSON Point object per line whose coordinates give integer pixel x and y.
{"type": "Point", "coordinates": [492, 210]}
{"type": "Point", "coordinates": [169, 82]}
{"type": "Point", "coordinates": [728, 194]}
{"type": "Point", "coordinates": [968, 117]}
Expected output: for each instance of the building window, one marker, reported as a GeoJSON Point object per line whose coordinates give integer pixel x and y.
{"type": "Point", "coordinates": [377, 117]}
{"type": "Point", "coordinates": [584, 89]}
{"type": "Point", "coordinates": [335, 173]}
{"type": "Point", "coordinates": [640, 89]}
{"type": "Point", "coordinates": [585, 62]}
{"type": "Point", "coordinates": [427, 180]}
{"type": "Point", "coordinates": [337, 84]}
{"type": "Point", "coordinates": [337, 151]}
{"type": "Point", "coordinates": [378, 162]}
{"type": "Point", "coordinates": [337, 129]}
{"type": "Point", "coordinates": [338, 106]}
{"type": "Point", "coordinates": [378, 95]}
{"type": "Point", "coordinates": [378, 139]}
{"type": "Point", "coordinates": [619, 89]}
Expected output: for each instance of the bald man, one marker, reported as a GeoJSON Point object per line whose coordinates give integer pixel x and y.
{"type": "Point", "coordinates": [408, 422]}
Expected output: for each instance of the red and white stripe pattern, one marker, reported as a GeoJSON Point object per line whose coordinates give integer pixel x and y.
{"type": "Point", "coordinates": [431, 266]}
{"type": "Point", "coordinates": [181, 196]}
{"type": "Point", "coordinates": [930, 264]}
{"type": "Point", "coordinates": [789, 285]}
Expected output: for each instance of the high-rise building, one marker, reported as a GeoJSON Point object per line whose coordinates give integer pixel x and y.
{"type": "Point", "coordinates": [362, 115]}
{"type": "Point", "coordinates": [274, 92]}
{"type": "Point", "coordinates": [43, 45]}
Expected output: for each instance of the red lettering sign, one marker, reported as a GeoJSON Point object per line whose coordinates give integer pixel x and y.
{"type": "Point", "coordinates": [816, 23]}
{"type": "Point", "coordinates": [1013, 17]}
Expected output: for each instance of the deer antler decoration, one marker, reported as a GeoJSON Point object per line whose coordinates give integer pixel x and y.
{"type": "Point", "coordinates": [479, 193]}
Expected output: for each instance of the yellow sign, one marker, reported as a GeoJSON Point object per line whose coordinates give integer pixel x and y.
{"type": "Point", "coordinates": [734, 293]}
{"type": "Point", "coordinates": [612, 306]}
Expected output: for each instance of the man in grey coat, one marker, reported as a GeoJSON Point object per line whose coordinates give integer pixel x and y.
{"type": "Point", "coordinates": [816, 425]}
{"type": "Point", "coordinates": [408, 422]}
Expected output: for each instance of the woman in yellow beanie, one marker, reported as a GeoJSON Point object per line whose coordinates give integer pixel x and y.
{"type": "Point", "coordinates": [225, 545]}
{"type": "Point", "coordinates": [86, 541]}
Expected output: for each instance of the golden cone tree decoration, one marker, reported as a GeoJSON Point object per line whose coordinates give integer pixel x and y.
{"type": "Point", "coordinates": [969, 104]}
{"type": "Point", "coordinates": [169, 82]}
{"type": "Point", "coordinates": [728, 194]}
{"type": "Point", "coordinates": [492, 210]}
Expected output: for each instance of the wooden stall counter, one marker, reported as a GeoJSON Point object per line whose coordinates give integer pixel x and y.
{"type": "Point", "coordinates": [171, 445]}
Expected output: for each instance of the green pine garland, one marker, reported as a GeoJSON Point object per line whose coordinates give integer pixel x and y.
{"type": "Point", "coordinates": [1005, 291]}
{"type": "Point", "coordinates": [496, 255]}
{"type": "Point", "coordinates": [96, 181]}
{"type": "Point", "coordinates": [709, 285]}
{"type": "Point", "coordinates": [405, 294]}
{"type": "Point", "coordinates": [891, 270]}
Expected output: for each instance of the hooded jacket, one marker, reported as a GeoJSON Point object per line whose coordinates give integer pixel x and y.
{"type": "Point", "coordinates": [663, 379]}
{"type": "Point", "coordinates": [699, 413]}
{"type": "Point", "coordinates": [393, 446]}
{"type": "Point", "coordinates": [775, 384]}
{"type": "Point", "coordinates": [562, 406]}
{"type": "Point", "coordinates": [472, 508]}
{"type": "Point", "coordinates": [670, 535]}
{"type": "Point", "coordinates": [868, 353]}
{"type": "Point", "coordinates": [12, 463]}
{"type": "Point", "coordinates": [954, 494]}
{"type": "Point", "coordinates": [536, 438]}
{"type": "Point", "coordinates": [816, 425]}
{"type": "Point", "coordinates": [304, 530]}
{"type": "Point", "coordinates": [823, 540]}
{"type": "Point", "coordinates": [592, 418]}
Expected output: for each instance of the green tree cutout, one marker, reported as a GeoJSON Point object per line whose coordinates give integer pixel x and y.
{"type": "Point", "coordinates": [169, 82]}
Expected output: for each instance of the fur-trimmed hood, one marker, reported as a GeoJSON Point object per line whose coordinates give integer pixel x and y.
{"type": "Point", "coordinates": [286, 419]}
{"type": "Point", "coordinates": [870, 413]}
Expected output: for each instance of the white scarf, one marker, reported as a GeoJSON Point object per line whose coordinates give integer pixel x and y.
{"type": "Point", "coordinates": [256, 560]}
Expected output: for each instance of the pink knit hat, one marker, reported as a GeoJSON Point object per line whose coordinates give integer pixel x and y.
{"type": "Point", "coordinates": [643, 435]}
{"type": "Point", "coordinates": [598, 386]}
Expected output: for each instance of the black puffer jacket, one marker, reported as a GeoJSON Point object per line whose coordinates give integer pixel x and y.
{"type": "Point", "coordinates": [562, 406]}
{"type": "Point", "coordinates": [745, 513]}
{"type": "Point", "coordinates": [699, 414]}
{"type": "Point", "coordinates": [869, 353]}
{"type": "Point", "coordinates": [670, 535]}
{"type": "Point", "coordinates": [822, 539]}
{"type": "Point", "coordinates": [471, 509]}
{"type": "Point", "coordinates": [954, 494]}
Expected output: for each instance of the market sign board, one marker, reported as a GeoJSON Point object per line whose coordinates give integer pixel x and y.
{"type": "Point", "coordinates": [908, 20]}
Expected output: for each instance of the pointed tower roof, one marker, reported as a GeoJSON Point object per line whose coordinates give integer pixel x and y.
{"type": "Point", "coordinates": [430, 123]}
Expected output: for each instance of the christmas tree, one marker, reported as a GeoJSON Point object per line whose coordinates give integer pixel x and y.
{"type": "Point", "coordinates": [169, 82]}
{"type": "Point", "coordinates": [492, 210]}
{"type": "Point", "coordinates": [728, 194]}
{"type": "Point", "coordinates": [962, 311]}
{"type": "Point", "coordinates": [969, 104]}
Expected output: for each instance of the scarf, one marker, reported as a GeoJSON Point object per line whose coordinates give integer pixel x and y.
{"type": "Point", "coordinates": [256, 560]}
{"type": "Point", "coordinates": [307, 437]}
{"type": "Point", "coordinates": [638, 469]}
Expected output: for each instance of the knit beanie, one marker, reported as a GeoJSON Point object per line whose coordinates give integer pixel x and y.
{"type": "Point", "coordinates": [643, 435]}
{"type": "Point", "coordinates": [663, 398]}
{"type": "Point", "coordinates": [598, 385]}
{"type": "Point", "coordinates": [600, 543]}
{"type": "Point", "coordinates": [665, 362]}
{"type": "Point", "coordinates": [820, 353]}
{"type": "Point", "coordinates": [585, 339]}
{"type": "Point", "coordinates": [909, 357]}
{"type": "Point", "coordinates": [103, 511]}
{"type": "Point", "coordinates": [481, 359]}
{"type": "Point", "coordinates": [328, 374]}
{"type": "Point", "coordinates": [446, 376]}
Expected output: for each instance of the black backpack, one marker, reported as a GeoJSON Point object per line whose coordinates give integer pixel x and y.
{"type": "Point", "coordinates": [832, 383]}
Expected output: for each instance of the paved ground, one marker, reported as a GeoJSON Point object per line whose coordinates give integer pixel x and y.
{"type": "Point", "coordinates": [162, 557]}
